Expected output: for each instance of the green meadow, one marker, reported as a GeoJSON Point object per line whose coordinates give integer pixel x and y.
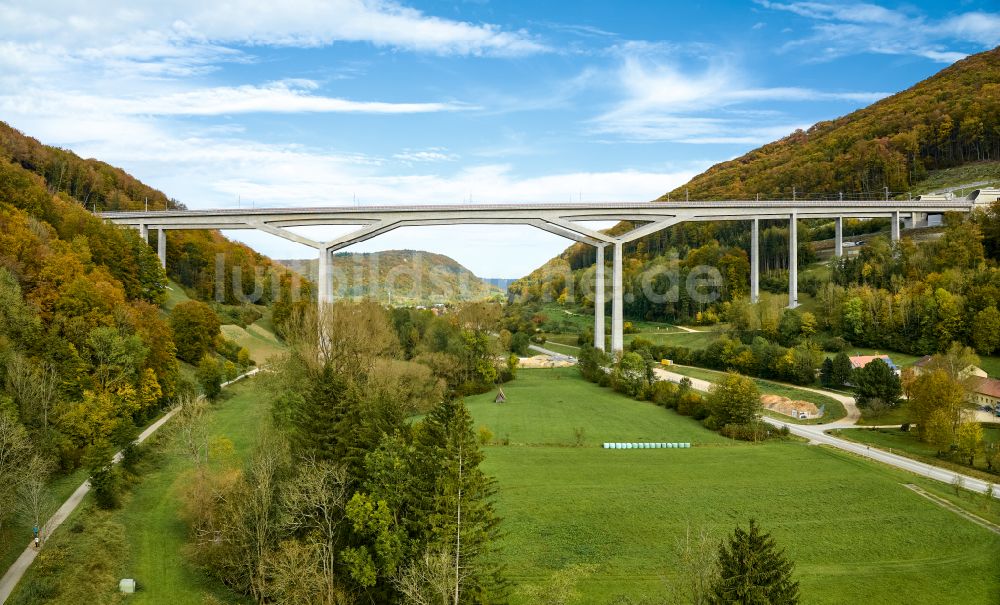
{"type": "Point", "coordinates": [856, 533]}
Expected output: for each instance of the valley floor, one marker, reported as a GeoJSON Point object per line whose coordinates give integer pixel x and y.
{"type": "Point", "coordinates": [855, 531]}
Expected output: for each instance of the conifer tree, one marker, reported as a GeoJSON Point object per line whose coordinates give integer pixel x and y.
{"type": "Point", "coordinates": [826, 373]}
{"type": "Point", "coordinates": [317, 416]}
{"type": "Point", "coordinates": [753, 570]}
{"type": "Point", "coordinates": [841, 369]}
{"type": "Point", "coordinates": [455, 498]}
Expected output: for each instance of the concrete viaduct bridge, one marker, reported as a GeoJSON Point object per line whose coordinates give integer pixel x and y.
{"type": "Point", "coordinates": [562, 219]}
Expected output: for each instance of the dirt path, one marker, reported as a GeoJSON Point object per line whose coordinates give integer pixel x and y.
{"type": "Point", "coordinates": [14, 573]}
{"type": "Point", "coordinates": [993, 527]}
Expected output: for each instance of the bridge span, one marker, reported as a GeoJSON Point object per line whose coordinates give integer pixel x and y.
{"type": "Point", "coordinates": [563, 219]}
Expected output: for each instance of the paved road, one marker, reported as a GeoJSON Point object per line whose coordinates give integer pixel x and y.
{"type": "Point", "coordinates": [553, 354]}
{"type": "Point", "coordinates": [23, 562]}
{"type": "Point", "coordinates": [816, 433]}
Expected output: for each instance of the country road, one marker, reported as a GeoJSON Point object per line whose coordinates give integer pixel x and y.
{"type": "Point", "coordinates": [13, 574]}
{"type": "Point", "coordinates": [816, 433]}
{"type": "Point", "coordinates": [553, 354]}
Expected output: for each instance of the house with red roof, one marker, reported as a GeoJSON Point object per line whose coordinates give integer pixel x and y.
{"type": "Point", "coordinates": [860, 361]}
{"type": "Point", "coordinates": [985, 391]}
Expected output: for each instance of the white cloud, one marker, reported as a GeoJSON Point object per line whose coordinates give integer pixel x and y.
{"type": "Point", "coordinates": [290, 96]}
{"type": "Point", "coordinates": [662, 103]}
{"type": "Point", "coordinates": [432, 154]}
{"type": "Point", "coordinates": [841, 29]}
{"type": "Point", "coordinates": [188, 36]}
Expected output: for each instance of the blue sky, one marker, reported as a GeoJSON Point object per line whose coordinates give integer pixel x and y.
{"type": "Point", "coordinates": [308, 103]}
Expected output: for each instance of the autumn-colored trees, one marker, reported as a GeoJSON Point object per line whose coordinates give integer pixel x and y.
{"type": "Point", "coordinates": [196, 327]}
{"type": "Point", "coordinates": [347, 501]}
{"type": "Point", "coordinates": [951, 118]}
{"type": "Point", "coordinates": [734, 400]}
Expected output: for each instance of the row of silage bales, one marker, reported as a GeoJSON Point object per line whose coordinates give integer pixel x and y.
{"type": "Point", "coordinates": [646, 445]}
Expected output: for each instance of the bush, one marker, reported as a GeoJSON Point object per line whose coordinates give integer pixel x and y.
{"type": "Point", "coordinates": [689, 403]}
{"type": "Point", "coordinates": [131, 455]}
{"type": "Point", "coordinates": [751, 431]}
{"type": "Point", "coordinates": [105, 481]}
{"type": "Point", "coordinates": [835, 344]}
{"type": "Point", "coordinates": [664, 393]}
{"type": "Point", "coordinates": [209, 376]}
{"type": "Point", "coordinates": [593, 364]}
{"type": "Point", "coordinates": [485, 435]}
{"type": "Point", "coordinates": [519, 344]}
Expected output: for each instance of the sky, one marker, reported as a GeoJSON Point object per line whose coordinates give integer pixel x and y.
{"type": "Point", "coordinates": [371, 102]}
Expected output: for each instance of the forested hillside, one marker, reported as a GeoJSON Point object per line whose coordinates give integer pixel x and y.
{"type": "Point", "coordinates": [87, 354]}
{"type": "Point", "coordinates": [915, 296]}
{"type": "Point", "coordinates": [34, 172]}
{"type": "Point", "coordinates": [951, 118]}
{"type": "Point", "coordinates": [402, 277]}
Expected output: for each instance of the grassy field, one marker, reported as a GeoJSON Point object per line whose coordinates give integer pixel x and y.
{"type": "Point", "coordinates": [257, 338]}
{"type": "Point", "coordinates": [692, 340]}
{"type": "Point", "coordinates": [967, 173]}
{"type": "Point", "coordinates": [857, 535]}
{"type": "Point", "coordinates": [175, 295]}
{"type": "Point", "coordinates": [548, 406]}
{"type": "Point", "coordinates": [144, 539]}
{"type": "Point", "coordinates": [834, 409]}
{"type": "Point", "coordinates": [905, 442]}
{"type": "Point", "coordinates": [17, 535]}
{"type": "Point", "coordinates": [897, 415]}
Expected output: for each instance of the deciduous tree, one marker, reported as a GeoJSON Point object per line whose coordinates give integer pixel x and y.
{"type": "Point", "coordinates": [734, 400]}
{"type": "Point", "coordinates": [195, 327]}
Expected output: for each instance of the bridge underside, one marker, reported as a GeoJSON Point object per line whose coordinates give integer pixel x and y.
{"type": "Point", "coordinates": [560, 219]}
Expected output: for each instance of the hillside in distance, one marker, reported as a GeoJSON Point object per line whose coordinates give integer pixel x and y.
{"type": "Point", "coordinates": [950, 119]}
{"type": "Point", "coordinates": [942, 134]}
{"type": "Point", "coordinates": [400, 277]}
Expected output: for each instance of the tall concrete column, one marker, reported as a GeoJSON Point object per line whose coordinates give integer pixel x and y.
{"type": "Point", "coordinates": [755, 261]}
{"type": "Point", "coordinates": [793, 261]}
{"type": "Point", "coordinates": [144, 233]}
{"type": "Point", "coordinates": [599, 299]}
{"type": "Point", "coordinates": [838, 238]}
{"type": "Point", "coordinates": [323, 278]}
{"type": "Point", "coordinates": [895, 226]}
{"type": "Point", "coordinates": [617, 325]}
{"type": "Point", "coordinates": [161, 247]}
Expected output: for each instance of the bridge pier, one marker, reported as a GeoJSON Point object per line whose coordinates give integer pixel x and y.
{"type": "Point", "coordinates": [144, 233]}
{"type": "Point", "coordinates": [755, 260]}
{"type": "Point", "coordinates": [161, 246]}
{"type": "Point", "coordinates": [617, 325]}
{"type": "Point", "coordinates": [838, 237]}
{"type": "Point", "coordinates": [793, 261]}
{"type": "Point", "coordinates": [895, 226]}
{"type": "Point", "coordinates": [599, 299]}
{"type": "Point", "coordinates": [323, 279]}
